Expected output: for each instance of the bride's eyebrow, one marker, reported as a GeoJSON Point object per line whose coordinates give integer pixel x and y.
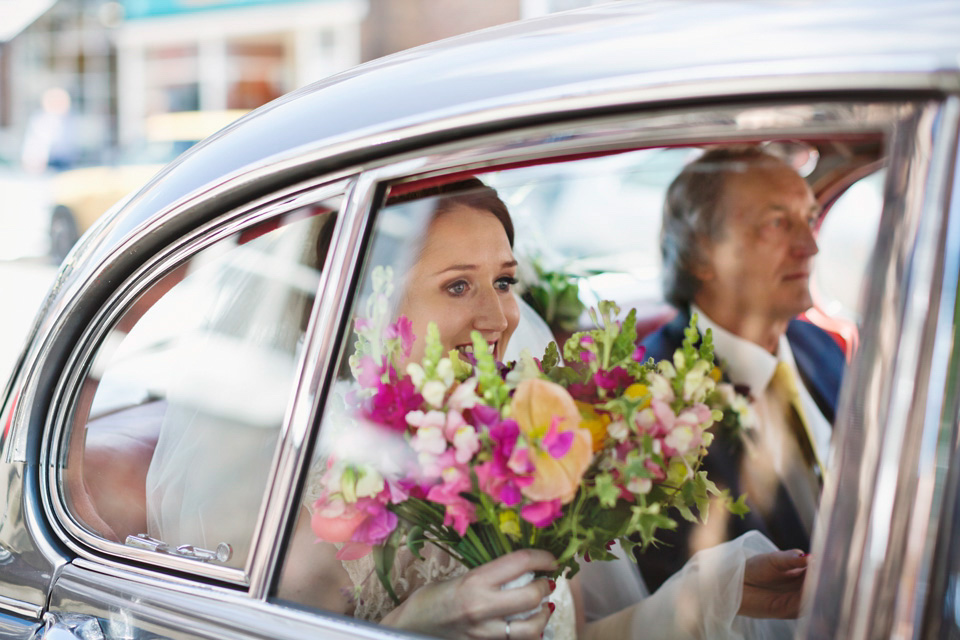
{"type": "Point", "coordinates": [509, 264]}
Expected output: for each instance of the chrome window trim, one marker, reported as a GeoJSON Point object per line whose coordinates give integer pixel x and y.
{"type": "Point", "coordinates": [875, 539]}
{"type": "Point", "coordinates": [934, 611]}
{"type": "Point", "coordinates": [64, 398]}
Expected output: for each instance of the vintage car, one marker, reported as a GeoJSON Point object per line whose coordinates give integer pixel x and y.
{"type": "Point", "coordinates": [207, 320]}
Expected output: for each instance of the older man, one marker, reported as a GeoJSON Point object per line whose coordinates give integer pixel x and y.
{"type": "Point", "coordinates": [738, 241]}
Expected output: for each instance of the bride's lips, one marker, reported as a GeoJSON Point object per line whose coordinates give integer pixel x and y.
{"type": "Point", "coordinates": [797, 275]}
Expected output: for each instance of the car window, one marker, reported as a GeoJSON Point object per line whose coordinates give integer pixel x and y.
{"type": "Point", "coordinates": [177, 419]}
{"type": "Point", "coordinates": [581, 230]}
{"type": "Point", "coordinates": [846, 238]}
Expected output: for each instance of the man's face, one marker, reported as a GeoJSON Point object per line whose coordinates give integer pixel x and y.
{"type": "Point", "coordinates": [761, 262]}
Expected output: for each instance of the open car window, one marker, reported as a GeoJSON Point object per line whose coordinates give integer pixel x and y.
{"type": "Point", "coordinates": [178, 416]}
{"type": "Point", "coordinates": [582, 230]}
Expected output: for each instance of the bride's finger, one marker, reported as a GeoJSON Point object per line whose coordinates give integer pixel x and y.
{"type": "Point", "coordinates": [516, 601]}
{"type": "Point", "coordinates": [515, 564]}
{"type": "Point", "coordinates": [531, 628]}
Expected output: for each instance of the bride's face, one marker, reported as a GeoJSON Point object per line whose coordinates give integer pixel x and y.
{"type": "Point", "coordinates": [462, 282]}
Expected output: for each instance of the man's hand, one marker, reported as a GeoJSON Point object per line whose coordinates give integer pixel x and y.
{"type": "Point", "coordinates": [772, 584]}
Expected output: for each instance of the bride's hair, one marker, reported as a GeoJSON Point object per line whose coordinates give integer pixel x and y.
{"type": "Point", "coordinates": [469, 192]}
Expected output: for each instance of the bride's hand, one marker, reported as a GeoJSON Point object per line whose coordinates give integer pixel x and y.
{"type": "Point", "coordinates": [772, 584]}
{"type": "Point", "coordinates": [474, 606]}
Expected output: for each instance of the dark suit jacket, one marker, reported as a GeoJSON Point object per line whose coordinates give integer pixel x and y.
{"type": "Point", "coordinates": [820, 362]}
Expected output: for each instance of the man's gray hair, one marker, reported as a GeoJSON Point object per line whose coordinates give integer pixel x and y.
{"type": "Point", "coordinates": [692, 215]}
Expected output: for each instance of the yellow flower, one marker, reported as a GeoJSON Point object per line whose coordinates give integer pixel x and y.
{"type": "Point", "coordinates": [538, 405]}
{"type": "Point", "coordinates": [716, 374]}
{"type": "Point", "coordinates": [510, 524]}
{"type": "Point", "coordinates": [594, 422]}
{"type": "Point", "coordinates": [637, 391]}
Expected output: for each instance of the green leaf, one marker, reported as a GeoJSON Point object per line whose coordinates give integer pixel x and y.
{"type": "Point", "coordinates": [625, 342]}
{"type": "Point", "coordinates": [607, 491]}
{"type": "Point", "coordinates": [383, 557]}
{"type": "Point", "coordinates": [551, 358]}
{"type": "Point", "coordinates": [415, 541]}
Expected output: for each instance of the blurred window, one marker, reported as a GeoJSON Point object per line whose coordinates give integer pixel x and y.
{"type": "Point", "coordinates": [177, 419]}
{"type": "Point", "coordinates": [846, 239]}
{"type": "Point", "coordinates": [255, 73]}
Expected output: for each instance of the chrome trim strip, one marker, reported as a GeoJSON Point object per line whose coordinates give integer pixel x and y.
{"type": "Point", "coordinates": [869, 544]}
{"type": "Point", "coordinates": [20, 608]}
{"type": "Point", "coordinates": [62, 407]}
{"type": "Point", "coordinates": [921, 508]}
{"type": "Point", "coordinates": [320, 354]}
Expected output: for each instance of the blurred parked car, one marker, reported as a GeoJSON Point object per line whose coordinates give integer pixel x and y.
{"type": "Point", "coordinates": [83, 194]}
{"type": "Point", "coordinates": [215, 305]}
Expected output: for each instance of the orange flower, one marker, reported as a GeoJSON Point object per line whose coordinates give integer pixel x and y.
{"type": "Point", "coordinates": [595, 422]}
{"type": "Point", "coordinates": [538, 405]}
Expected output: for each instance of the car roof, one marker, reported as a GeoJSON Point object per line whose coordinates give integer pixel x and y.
{"type": "Point", "coordinates": [649, 52]}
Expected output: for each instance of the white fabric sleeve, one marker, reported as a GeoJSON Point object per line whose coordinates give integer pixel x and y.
{"type": "Point", "coordinates": [699, 602]}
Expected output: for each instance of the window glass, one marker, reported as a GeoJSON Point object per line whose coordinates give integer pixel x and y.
{"type": "Point", "coordinates": [178, 417]}
{"type": "Point", "coordinates": [846, 238]}
{"type": "Point", "coordinates": [521, 255]}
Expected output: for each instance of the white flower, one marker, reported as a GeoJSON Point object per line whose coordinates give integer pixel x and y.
{"type": "Point", "coordinates": [464, 396]}
{"type": "Point", "coordinates": [618, 430]}
{"type": "Point", "coordinates": [666, 369]}
{"type": "Point", "coordinates": [660, 387]}
{"type": "Point", "coordinates": [639, 485]}
{"type": "Point", "coordinates": [420, 419]}
{"type": "Point", "coordinates": [445, 372]}
{"type": "Point", "coordinates": [370, 483]}
{"type": "Point", "coordinates": [417, 374]}
{"type": "Point", "coordinates": [429, 440]}
{"type": "Point", "coordinates": [697, 384]}
{"type": "Point", "coordinates": [680, 439]}
{"type": "Point", "coordinates": [433, 392]}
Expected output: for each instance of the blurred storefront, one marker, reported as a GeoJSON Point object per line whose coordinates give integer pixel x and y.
{"type": "Point", "coordinates": [211, 55]}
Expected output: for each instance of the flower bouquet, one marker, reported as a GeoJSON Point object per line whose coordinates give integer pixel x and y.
{"type": "Point", "coordinates": [564, 455]}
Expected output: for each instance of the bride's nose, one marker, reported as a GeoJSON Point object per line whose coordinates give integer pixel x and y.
{"type": "Point", "coordinates": [489, 315]}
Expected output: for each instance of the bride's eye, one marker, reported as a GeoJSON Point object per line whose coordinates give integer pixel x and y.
{"type": "Point", "coordinates": [457, 288]}
{"type": "Point", "coordinates": [504, 283]}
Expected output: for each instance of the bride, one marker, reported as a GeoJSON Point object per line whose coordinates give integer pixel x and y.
{"type": "Point", "coordinates": [461, 279]}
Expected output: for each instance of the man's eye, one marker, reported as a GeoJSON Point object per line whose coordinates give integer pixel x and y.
{"type": "Point", "coordinates": [505, 283]}
{"type": "Point", "coordinates": [458, 288]}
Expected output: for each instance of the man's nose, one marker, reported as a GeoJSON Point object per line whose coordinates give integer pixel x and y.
{"type": "Point", "coordinates": [804, 241]}
{"type": "Point", "coordinates": [489, 312]}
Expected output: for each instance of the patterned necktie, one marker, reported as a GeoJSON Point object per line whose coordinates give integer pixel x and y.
{"type": "Point", "coordinates": [784, 384]}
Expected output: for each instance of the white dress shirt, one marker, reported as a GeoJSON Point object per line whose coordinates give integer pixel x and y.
{"type": "Point", "coordinates": [747, 363]}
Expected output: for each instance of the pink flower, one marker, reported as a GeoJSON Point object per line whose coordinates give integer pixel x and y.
{"type": "Point", "coordinates": [460, 512]}
{"type": "Point", "coordinates": [369, 372]}
{"type": "Point", "coordinates": [640, 353]}
{"type": "Point", "coordinates": [392, 402]}
{"type": "Point", "coordinates": [617, 378]}
{"type": "Point", "coordinates": [555, 442]}
{"type": "Point", "coordinates": [465, 443]}
{"type": "Point", "coordinates": [402, 329]}
{"type": "Point", "coordinates": [541, 514]}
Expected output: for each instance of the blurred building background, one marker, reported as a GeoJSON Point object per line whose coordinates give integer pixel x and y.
{"type": "Point", "coordinates": [122, 61]}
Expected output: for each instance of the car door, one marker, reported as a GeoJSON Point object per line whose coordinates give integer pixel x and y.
{"type": "Point", "coordinates": [189, 337]}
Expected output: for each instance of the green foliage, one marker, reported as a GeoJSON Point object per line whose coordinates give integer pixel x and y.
{"type": "Point", "coordinates": [555, 296]}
